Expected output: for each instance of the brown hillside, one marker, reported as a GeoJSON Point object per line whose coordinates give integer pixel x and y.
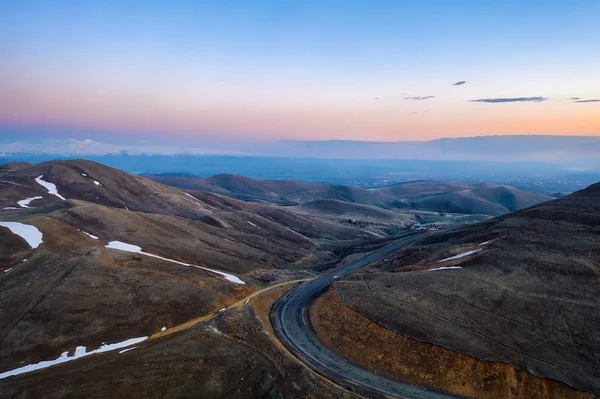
{"type": "Point", "coordinates": [421, 195]}
{"type": "Point", "coordinates": [9, 166]}
{"type": "Point", "coordinates": [72, 291]}
{"type": "Point", "coordinates": [93, 182]}
{"type": "Point", "coordinates": [367, 344]}
{"type": "Point", "coordinates": [527, 298]}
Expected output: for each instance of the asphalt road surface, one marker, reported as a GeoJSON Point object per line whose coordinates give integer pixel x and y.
{"type": "Point", "coordinates": [290, 322]}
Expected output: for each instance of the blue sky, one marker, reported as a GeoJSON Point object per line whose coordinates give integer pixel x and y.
{"type": "Point", "coordinates": [143, 70]}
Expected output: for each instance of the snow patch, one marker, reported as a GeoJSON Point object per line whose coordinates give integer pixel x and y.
{"type": "Point", "coordinates": [29, 233]}
{"type": "Point", "coordinates": [444, 268]}
{"type": "Point", "coordinates": [97, 183]}
{"type": "Point", "coordinates": [222, 310]}
{"type": "Point", "coordinates": [215, 330]}
{"type": "Point", "coordinates": [127, 350]}
{"type": "Point", "coordinates": [89, 235]}
{"type": "Point", "coordinates": [460, 255]}
{"type": "Point", "coordinates": [163, 329]}
{"type": "Point", "coordinates": [80, 351]}
{"type": "Point", "coordinates": [251, 223]}
{"type": "Point", "coordinates": [10, 207]}
{"type": "Point", "coordinates": [7, 270]}
{"type": "Point", "coordinates": [484, 243]}
{"type": "Point", "coordinates": [25, 203]}
{"type": "Point", "coordinates": [191, 196]}
{"type": "Point", "coordinates": [51, 187]}
{"type": "Point", "coordinates": [84, 175]}
{"type": "Point", "coordinates": [121, 246]}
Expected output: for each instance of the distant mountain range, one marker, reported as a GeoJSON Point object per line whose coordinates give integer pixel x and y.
{"type": "Point", "coordinates": [577, 151]}
{"type": "Point", "coordinates": [78, 148]}
{"type": "Point", "coordinates": [554, 149]}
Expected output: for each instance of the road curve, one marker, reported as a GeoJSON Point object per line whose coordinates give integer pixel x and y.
{"type": "Point", "coordinates": [290, 322]}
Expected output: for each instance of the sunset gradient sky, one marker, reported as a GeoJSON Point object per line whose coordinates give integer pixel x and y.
{"type": "Point", "coordinates": [309, 70]}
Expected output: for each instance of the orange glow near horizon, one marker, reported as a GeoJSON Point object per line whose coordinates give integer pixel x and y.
{"type": "Point", "coordinates": [372, 120]}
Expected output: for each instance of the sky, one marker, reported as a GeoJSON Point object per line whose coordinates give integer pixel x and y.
{"type": "Point", "coordinates": [189, 72]}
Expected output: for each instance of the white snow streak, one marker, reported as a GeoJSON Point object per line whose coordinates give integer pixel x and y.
{"type": "Point", "coordinates": [460, 255]}
{"type": "Point", "coordinates": [7, 270]}
{"type": "Point", "coordinates": [84, 175]}
{"type": "Point", "coordinates": [97, 183]}
{"type": "Point", "coordinates": [191, 196]}
{"type": "Point", "coordinates": [444, 268]}
{"type": "Point", "coordinates": [10, 207]}
{"type": "Point", "coordinates": [51, 187]}
{"type": "Point", "coordinates": [80, 352]}
{"type": "Point", "coordinates": [25, 203]}
{"type": "Point", "coordinates": [121, 246]}
{"type": "Point", "coordinates": [89, 235]}
{"type": "Point", "coordinates": [29, 233]}
{"type": "Point", "coordinates": [251, 223]}
{"type": "Point", "coordinates": [484, 243]}
{"type": "Point", "coordinates": [215, 330]}
{"type": "Point", "coordinates": [127, 350]}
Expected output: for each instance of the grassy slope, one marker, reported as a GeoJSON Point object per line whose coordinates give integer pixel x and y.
{"type": "Point", "coordinates": [528, 298]}
{"type": "Point", "coordinates": [424, 195]}
{"type": "Point", "coordinates": [73, 291]}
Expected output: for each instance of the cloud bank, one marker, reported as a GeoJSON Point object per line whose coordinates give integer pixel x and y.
{"type": "Point", "coordinates": [577, 100]}
{"type": "Point", "coordinates": [91, 147]}
{"type": "Point", "coordinates": [510, 100]}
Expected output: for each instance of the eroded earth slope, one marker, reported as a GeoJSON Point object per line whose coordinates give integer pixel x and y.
{"type": "Point", "coordinates": [519, 290]}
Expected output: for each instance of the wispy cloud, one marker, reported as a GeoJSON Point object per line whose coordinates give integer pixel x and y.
{"type": "Point", "coordinates": [579, 100]}
{"type": "Point", "coordinates": [510, 100]}
{"type": "Point", "coordinates": [419, 98]}
{"type": "Point", "coordinates": [460, 83]}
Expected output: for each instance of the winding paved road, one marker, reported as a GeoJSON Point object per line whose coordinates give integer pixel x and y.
{"type": "Point", "coordinates": [290, 322]}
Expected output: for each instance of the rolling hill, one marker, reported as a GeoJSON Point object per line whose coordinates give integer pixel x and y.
{"type": "Point", "coordinates": [486, 199]}
{"type": "Point", "coordinates": [502, 308]}
{"type": "Point", "coordinates": [119, 255]}
{"type": "Point", "coordinates": [91, 255]}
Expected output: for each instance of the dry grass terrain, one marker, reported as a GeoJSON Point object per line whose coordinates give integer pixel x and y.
{"type": "Point", "coordinates": [527, 297]}
{"type": "Point", "coordinates": [486, 199]}
{"type": "Point", "coordinates": [374, 347]}
{"type": "Point", "coordinates": [525, 303]}
{"type": "Point", "coordinates": [72, 290]}
{"type": "Point", "coordinates": [230, 356]}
